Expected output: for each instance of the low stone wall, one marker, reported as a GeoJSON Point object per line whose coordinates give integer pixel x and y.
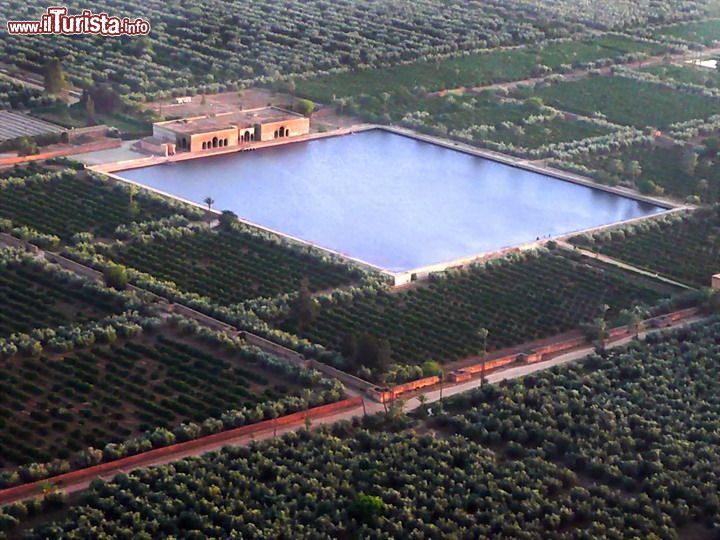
{"type": "Point", "coordinates": [68, 151]}
{"type": "Point", "coordinates": [10, 241]}
{"type": "Point", "coordinates": [560, 346]}
{"type": "Point", "coordinates": [72, 266]}
{"type": "Point", "coordinates": [346, 378]}
{"type": "Point", "coordinates": [385, 395]}
{"type": "Point", "coordinates": [273, 348]}
{"type": "Point", "coordinates": [669, 318]}
{"type": "Point", "coordinates": [190, 313]}
{"type": "Point", "coordinates": [545, 352]}
{"type": "Point", "coordinates": [33, 489]}
{"type": "Point", "coordinates": [96, 132]}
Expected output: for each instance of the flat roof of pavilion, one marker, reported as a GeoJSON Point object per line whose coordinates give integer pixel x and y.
{"type": "Point", "coordinates": [229, 120]}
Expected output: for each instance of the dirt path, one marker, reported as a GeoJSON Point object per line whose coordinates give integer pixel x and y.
{"type": "Point", "coordinates": [574, 75]}
{"type": "Point", "coordinates": [624, 266]}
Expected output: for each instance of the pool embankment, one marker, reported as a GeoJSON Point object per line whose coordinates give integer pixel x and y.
{"type": "Point", "coordinates": [247, 147]}
{"type": "Point", "coordinates": [505, 159]}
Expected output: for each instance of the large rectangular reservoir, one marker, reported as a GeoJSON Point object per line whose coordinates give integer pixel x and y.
{"type": "Point", "coordinates": [390, 200]}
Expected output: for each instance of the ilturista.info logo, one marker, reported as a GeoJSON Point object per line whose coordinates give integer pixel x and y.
{"type": "Point", "coordinates": [56, 20]}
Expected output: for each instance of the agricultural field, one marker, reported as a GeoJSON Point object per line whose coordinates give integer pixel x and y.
{"type": "Point", "coordinates": [18, 96]}
{"type": "Point", "coordinates": [480, 118]}
{"type": "Point", "coordinates": [705, 32]}
{"type": "Point", "coordinates": [533, 135]}
{"type": "Point", "coordinates": [625, 422]}
{"type": "Point", "coordinates": [53, 408]}
{"type": "Point", "coordinates": [624, 445]}
{"type": "Point", "coordinates": [687, 73]}
{"type": "Point", "coordinates": [231, 266]}
{"type": "Point", "coordinates": [32, 297]}
{"type": "Point", "coordinates": [479, 69]}
{"type": "Point", "coordinates": [66, 202]}
{"type": "Point", "coordinates": [14, 125]}
{"type": "Point", "coordinates": [517, 301]}
{"type": "Point", "coordinates": [616, 14]}
{"type": "Point", "coordinates": [210, 45]}
{"type": "Point", "coordinates": [626, 101]}
{"type": "Point", "coordinates": [456, 111]}
{"type": "Point", "coordinates": [678, 170]}
{"type": "Point", "coordinates": [686, 249]}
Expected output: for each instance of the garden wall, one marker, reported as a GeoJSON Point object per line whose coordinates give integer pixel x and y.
{"type": "Point", "coordinates": [345, 378]}
{"type": "Point", "coordinates": [545, 352]}
{"type": "Point", "coordinates": [67, 151]}
{"type": "Point", "coordinates": [33, 489]}
{"type": "Point", "coordinates": [11, 241]}
{"type": "Point", "coordinates": [273, 348]}
{"type": "Point", "coordinates": [94, 132]}
{"type": "Point", "coordinates": [207, 320]}
{"type": "Point", "coordinates": [390, 394]}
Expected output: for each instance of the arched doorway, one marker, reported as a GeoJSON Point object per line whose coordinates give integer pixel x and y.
{"type": "Point", "coordinates": [204, 146]}
{"type": "Point", "coordinates": [214, 142]}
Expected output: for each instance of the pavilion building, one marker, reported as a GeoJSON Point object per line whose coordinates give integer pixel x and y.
{"type": "Point", "coordinates": [231, 129]}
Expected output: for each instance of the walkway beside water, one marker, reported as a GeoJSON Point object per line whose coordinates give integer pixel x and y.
{"type": "Point", "coordinates": [625, 266]}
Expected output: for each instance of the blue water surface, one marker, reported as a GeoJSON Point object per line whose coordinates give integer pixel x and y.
{"type": "Point", "coordinates": [390, 200]}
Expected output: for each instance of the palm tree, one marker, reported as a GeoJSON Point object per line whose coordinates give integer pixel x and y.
{"type": "Point", "coordinates": [483, 334]}
{"type": "Point", "coordinates": [209, 201]}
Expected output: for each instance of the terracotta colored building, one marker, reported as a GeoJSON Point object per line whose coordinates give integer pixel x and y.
{"type": "Point", "coordinates": [231, 129]}
{"type": "Point", "coordinates": [157, 146]}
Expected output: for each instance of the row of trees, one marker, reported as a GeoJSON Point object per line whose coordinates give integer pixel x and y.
{"type": "Point", "coordinates": [262, 41]}
{"type": "Point", "coordinates": [621, 445]}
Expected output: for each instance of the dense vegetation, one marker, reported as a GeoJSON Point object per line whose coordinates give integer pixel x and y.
{"type": "Point", "coordinates": [535, 296]}
{"type": "Point", "coordinates": [32, 297]}
{"type": "Point", "coordinates": [230, 267]}
{"type": "Point", "coordinates": [627, 101]}
{"type": "Point", "coordinates": [680, 170]}
{"type": "Point", "coordinates": [53, 408]}
{"type": "Point", "coordinates": [17, 96]}
{"type": "Point", "coordinates": [643, 421]}
{"type": "Point", "coordinates": [689, 74]}
{"type": "Point", "coordinates": [479, 69]}
{"type": "Point", "coordinates": [625, 445]}
{"type": "Point", "coordinates": [63, 203]}
{"type": "Point", "coordinates": [482, 119]}
{"type": "Point", "coordinates": [704, 32]}
{"type": "Point", "coordinates": [616, 14]}
{"type": "Point", "coordinates": [686, 248]}
{"type": "Point", "coordinates": [196, 45]}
